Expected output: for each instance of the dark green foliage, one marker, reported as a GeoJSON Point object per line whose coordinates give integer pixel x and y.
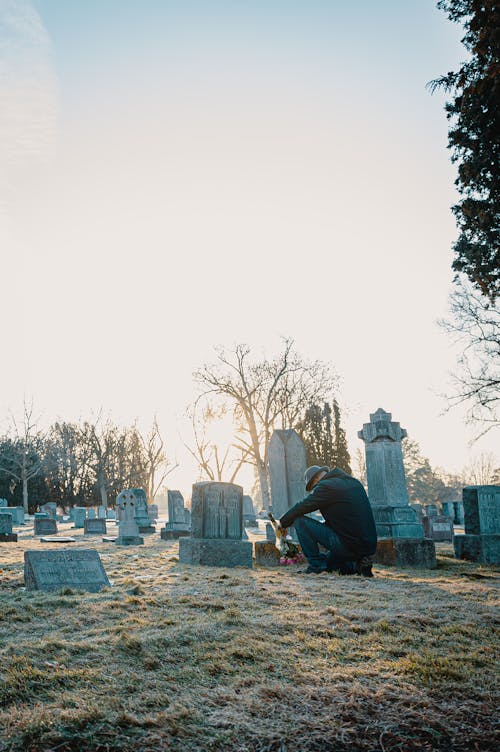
{"type": "Point", "coordinates": [474, 138]}
{"type": "Point", "coordinates": [324, 437]}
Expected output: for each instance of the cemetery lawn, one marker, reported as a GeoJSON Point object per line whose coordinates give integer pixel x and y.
{"type": "Point", "coordinates": [177, 658]}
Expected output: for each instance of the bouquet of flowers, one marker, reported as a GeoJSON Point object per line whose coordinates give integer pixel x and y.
{"type": "Point", "coordinates": [290, 552]}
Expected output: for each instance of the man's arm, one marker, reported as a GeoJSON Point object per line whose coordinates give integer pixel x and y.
{"type": "Point", "coordinates": [311, 502]}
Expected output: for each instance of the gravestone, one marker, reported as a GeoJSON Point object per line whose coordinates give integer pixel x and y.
{"type": "Point", "coordinates": [266, 554]}
{"type": "Point", "coordinates": [95, 527]}
{"type": "Point", "coordinates": [448, 509]}
{"type": "Point", "coordinates": [6, 534]}
{"type": "Point", "coordinates": [110, 514]}
{"type": "Point", "coordinates": [216, 527]}
{"type": "Point", "coordinates": [45, 526]}
{"type": "Point", "coordinates": [431, 510]}
{"type": "Point", "coordinates": [176, 527]}
{"type": "Point", "coordinates": [394, 517]}
{"type": "Point", "coordinates": [141, 514]}
{"type": "Point", "coordinates": [101, 512]}
{"type": "Point", "coordinates": [287, 465]}
{"type": "Point", "coordinates": [80, 569]}
{"type": "Point", "coordinates": [59, 539]}
{"type": "Point", "coordinates": [50, 508]}
{"type": "Point", "coordinates": [270, 533]}
{"type": "Point", "coordinates": [128, 529]}
{"type": "Point", "coordinates": [438, 527]}
{"type": "Point", "coordinates": [4, 503]}
{"type": "Point", "coordinates": [17, 515]}
{"type": "Point", "coordinates": [91, 514]}
{"type": "Point", "coordinates": [249, 516]}
{"type": "Point", "coordinates": [153, 512]}
{"type": "Point", "coordinates": [187, 517]}
{"type": "Point", "coordinates": [419, 509]}
{"type": "Point", "coordinates": [79, 516]}
{"type": "Point", "coordinates": [481, 541]}
{"type": "Point", "coordinates": [40, 516]}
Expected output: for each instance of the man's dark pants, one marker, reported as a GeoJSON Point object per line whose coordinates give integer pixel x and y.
{"type": "Point", "coordinates": [311, 533]}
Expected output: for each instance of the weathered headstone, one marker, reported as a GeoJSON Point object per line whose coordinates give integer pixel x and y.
{"type": "Point", "coordinates": [80, 569]}
{"type": "Point", "coordinates": [448, 509]}
{"type": "Point", "coordinates": [216, 527]}
{"type": "Point", "coordinates": [79, 516]}
{"type": "Point", "coordinates": [153, 512]}
{"type": "Point", "coordinates": [270, 533]}
{"type": "Point", "coordinates": [187, 517]}
{"type": "Point", "coordinates": [419, 509]}
{"type": "Point", "coordinates": [141, 513]}
{"type": "Point", "coordinates": [110, 514]}
{"type": "Point", "coordinates": [394, 517]}
{"type": "Point", "coordinates": [45, 526]}
{"type": "Point", "coordinates": [249, 516]}
{"type": "Point", "coordinates": [266, 554]}
{"type": "Point", "coordinates": [50, 508]}
{"type": "Point", "coordinates": [95, 527]}
{"type": "Point", "coordinates": [438, 527]}
{"type": "Point", "coordinates": [101, 512]}
{"type": "Point", "coordinates": [481, 541]}
{"type": "Point", "coordinates": [128, 529]}
{"type": "Point", "coordinates": [91, 514]}
{"type": "Point", "coordinates": [176, 527]}
{"type": "Point", "coordinates": [4, 503]}
{"type": "Point", "coordinates": [6, 534]}
{"type": "Point", "coordinates": [287, 465]}
{"type": "Point", "coordinates": [431, 510]}
{"type": "Point", "coordinates": [17, 515]}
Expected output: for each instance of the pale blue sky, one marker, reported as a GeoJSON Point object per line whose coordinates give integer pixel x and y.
{"type": "Point", "coordinates": [183, 174]}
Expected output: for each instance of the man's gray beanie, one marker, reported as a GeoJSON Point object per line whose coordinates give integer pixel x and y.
{"type": "Point", "coordinates": [311, 473]}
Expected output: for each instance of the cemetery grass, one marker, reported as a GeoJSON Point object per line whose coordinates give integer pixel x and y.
{"type": "Point", "coordinates": [176, 658]}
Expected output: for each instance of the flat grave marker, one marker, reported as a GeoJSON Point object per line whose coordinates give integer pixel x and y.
{"type": "Point", "coordinates": [80, 569]}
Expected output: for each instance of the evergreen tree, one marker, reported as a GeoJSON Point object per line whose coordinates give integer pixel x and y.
{"type": "Point", "coordinates": [474, 138]}
{"type": "Point", "coordinates": [324, 437]}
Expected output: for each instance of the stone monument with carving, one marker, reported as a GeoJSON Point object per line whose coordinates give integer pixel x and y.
{"type": "Point", "coordinates": [216, 527]}
{"type": "Point", "coordinates": [128, 530]}
{"type": "Point", "coordinates": [399, 530]}
{"type": "Point", "coordinates": [176, 527]}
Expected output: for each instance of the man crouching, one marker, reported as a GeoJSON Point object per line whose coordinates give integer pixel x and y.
{"type": "Point", "coordinates": [348, 533]}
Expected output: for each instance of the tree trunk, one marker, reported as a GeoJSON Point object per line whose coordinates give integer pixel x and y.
{"type": "Point", "coordinates": [264, 484]}
{"type": "Point", "coordinates": [102, 490]}
{"type": "Point", "coordinates": [25, 494]}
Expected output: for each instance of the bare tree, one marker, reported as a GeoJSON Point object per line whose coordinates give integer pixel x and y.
{"type": "Point", "coordinates": [481, 470]}
{"type": "Point", "coordinates": [101, 438]}
{"type": "Point", "coordinates": [214, 461]}
{"type": "Point", "coordinates": [475, 324]}
{"type": "Point", "coordinates": [264, 395]}
{"type": "Point", "coordinates": [157, 465]}
{"type": "Point", "coordinates": [24, 459]}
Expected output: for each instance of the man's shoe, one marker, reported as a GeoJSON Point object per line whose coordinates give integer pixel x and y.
{"type": "Point", "coordinates": [364, 566]}
{"type": "Point", "coordinates": [310, 570]}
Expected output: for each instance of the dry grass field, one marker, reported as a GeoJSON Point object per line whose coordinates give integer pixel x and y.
{"type": "Point", "coordinates": [182, 658]}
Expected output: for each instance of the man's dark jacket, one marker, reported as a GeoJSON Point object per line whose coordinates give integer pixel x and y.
{"type": "Point", "coordinates": [343, 502]}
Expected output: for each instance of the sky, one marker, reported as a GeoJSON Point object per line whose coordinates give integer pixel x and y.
{"type": "Point", "coordinates": [179, 174]}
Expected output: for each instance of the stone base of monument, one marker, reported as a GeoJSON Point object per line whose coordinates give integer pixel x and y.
{"type": "Point", "coordinates": [251, 522]}
{"type": "Point", "coordinates": [174, 530]}
{"type": "Point", "coordinates": [266, 554]}
{"type": "Point", "coordinates": [215, 552]}
{"type": "Point", "coordinates": [146, 529]}
{"type": "Point", "coordinates": [406, 552]}
{"type": "Point", "coordinates": [8, 537]}
{"type": "Point", "coordinates": [397, 522]}
{"type": "Point", "coordinates": [481, 548]}
{"type": "Point", "coordinates": [129, 540]}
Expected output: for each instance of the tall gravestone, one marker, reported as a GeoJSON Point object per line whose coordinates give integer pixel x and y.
{"type": "Point", "coordinates": [216, 527]}
{"type": "Point", "coordinates": [481, 541]}
{"type": "Point", "coordinates": [400, 532]}
{"type": "Point", "coordinates": [287, 465]}
{"type": "Point", "coordinates": [50, 508]}
{"type": "Point", "coordinates": [141, 516]}
{"type": "Point", "coordinates": [128, 529]}
{"type": "Point", "coordinates": [79, 516]}
{"type": "Point", "coordinates": [17, 515]}
{"type": "Point", "coordinates": [249, 516]}
{"type": "Point", "coordinates": [176, 527]}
